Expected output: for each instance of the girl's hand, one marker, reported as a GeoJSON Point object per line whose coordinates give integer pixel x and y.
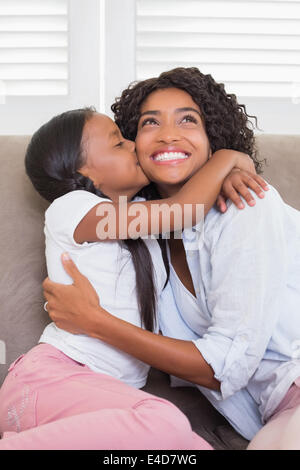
{"type": "Point", "coordinates": [244, 162]}
{"type": "Point", "coordinates": [69, 306]}
{"type": "Point", "coordinates": [236, 184]}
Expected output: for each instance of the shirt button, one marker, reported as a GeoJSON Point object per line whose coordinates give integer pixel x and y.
{"type": "Point", "coordinates": [244, 337]}
{"type": "Point", "coordinates": [191, 253]}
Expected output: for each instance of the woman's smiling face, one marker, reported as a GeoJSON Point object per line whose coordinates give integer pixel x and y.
{"type": "Point", "coordinates": [171, 141]}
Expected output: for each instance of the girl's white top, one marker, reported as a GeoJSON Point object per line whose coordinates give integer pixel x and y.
{"type": "Point", "coordinates": [245, 319]}
{"type": "Point", "coordinates": [110, 270]}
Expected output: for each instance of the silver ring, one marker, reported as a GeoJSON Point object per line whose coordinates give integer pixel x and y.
{"type": "Point", "coordinates": [45, 306]}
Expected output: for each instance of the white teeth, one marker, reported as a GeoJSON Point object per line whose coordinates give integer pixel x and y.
{"type": "Point", "coordinates": [171, 156]}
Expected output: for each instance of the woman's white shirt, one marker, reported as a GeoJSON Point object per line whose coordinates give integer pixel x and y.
{"type": "Point", "coordinates": [110, 270]}
{"type": "Point", "coordinates": [245, 319]}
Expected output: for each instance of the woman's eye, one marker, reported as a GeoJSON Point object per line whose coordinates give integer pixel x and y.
{"type": "Point", "coordinates": [120, 144]}
{"type": "Point", "coordinates": [189, 118]}
{"type": "Point", "coordinates": [148, 121]}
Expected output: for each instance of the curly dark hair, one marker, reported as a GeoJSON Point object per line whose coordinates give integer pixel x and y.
{"type": "Point", "coordinates": [226, 121]}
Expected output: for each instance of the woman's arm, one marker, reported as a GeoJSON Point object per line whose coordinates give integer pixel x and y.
{"type": "Point", "coordinates": [75, 308]}
{"type": "Point", "coordinates": [111, 220]}
{"type": "Point", "coordinates": [173, 356]}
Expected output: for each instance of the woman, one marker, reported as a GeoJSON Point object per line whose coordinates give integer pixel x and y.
{"type": "Point", "coordinates": [233, 292]}
{"type": "Point", "coordinates": [64, 392]}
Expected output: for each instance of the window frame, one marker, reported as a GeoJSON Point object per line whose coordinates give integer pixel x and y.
{"type": "Point", "coordinates": [120, 54]}
{"type": "Point", "coordinates": [21, 115]}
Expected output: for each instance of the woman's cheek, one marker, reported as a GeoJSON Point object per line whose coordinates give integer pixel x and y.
{"type": "Point", "coordinates": [143, 163]}
{"type": "Point", "coordinates": [141, 149]}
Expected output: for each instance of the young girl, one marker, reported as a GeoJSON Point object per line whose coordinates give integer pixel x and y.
{"type": "Point", "coordinates": [74, 390]}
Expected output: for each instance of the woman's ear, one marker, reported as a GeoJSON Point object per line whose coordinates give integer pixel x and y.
{"type": "Point", "coordinates": [210, 153]}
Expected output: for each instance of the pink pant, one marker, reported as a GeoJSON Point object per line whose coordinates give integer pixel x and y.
{"type": "Point", "coordinates": [49, 401]}
{"type": "Point", "coordinates": [282, 431]}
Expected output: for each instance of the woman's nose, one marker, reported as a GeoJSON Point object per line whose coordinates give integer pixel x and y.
{"type": "Point", "coordinates": [168, 134]}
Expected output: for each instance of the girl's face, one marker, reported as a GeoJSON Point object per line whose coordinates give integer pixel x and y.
{"type": "Point", "coordinates": [171, 141]}
{"type": "Point", "coordinates": [111, 161]}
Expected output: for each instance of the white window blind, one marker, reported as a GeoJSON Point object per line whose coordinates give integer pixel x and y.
{"type": "Point", "coordinates": [34, 47]}
{"type": "Point", "coordinates": [50, 60]}
{"type": "Point", "coordinates": [253, 47]}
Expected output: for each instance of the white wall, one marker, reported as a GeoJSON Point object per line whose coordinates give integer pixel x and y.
{"type": "Point", "coordinates": [275, 115]}
{"type": "Point", "coordinates": [119, 48]}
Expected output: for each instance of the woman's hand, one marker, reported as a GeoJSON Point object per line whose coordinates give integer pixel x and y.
{"type": "Point", "coordinates": [237, 184]}
{"type": "Point", "coordinates": [70, 306]}
{"type": "Point", "coordinates": [75, 308]}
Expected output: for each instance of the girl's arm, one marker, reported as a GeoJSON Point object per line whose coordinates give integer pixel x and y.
{"type": "Point", "coordinates": [75, 308]}
{"type": "Point", "coordinates": [114, 221]}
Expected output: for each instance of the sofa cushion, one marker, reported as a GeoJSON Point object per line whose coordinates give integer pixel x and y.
{"type": "Point", "coordinates": [22, 254]}
{"type": "Point", "coordinates": [282, 168]}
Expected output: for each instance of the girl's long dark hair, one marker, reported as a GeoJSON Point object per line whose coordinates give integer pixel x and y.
{"type": "Point", "coordinates": [53, 158]}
